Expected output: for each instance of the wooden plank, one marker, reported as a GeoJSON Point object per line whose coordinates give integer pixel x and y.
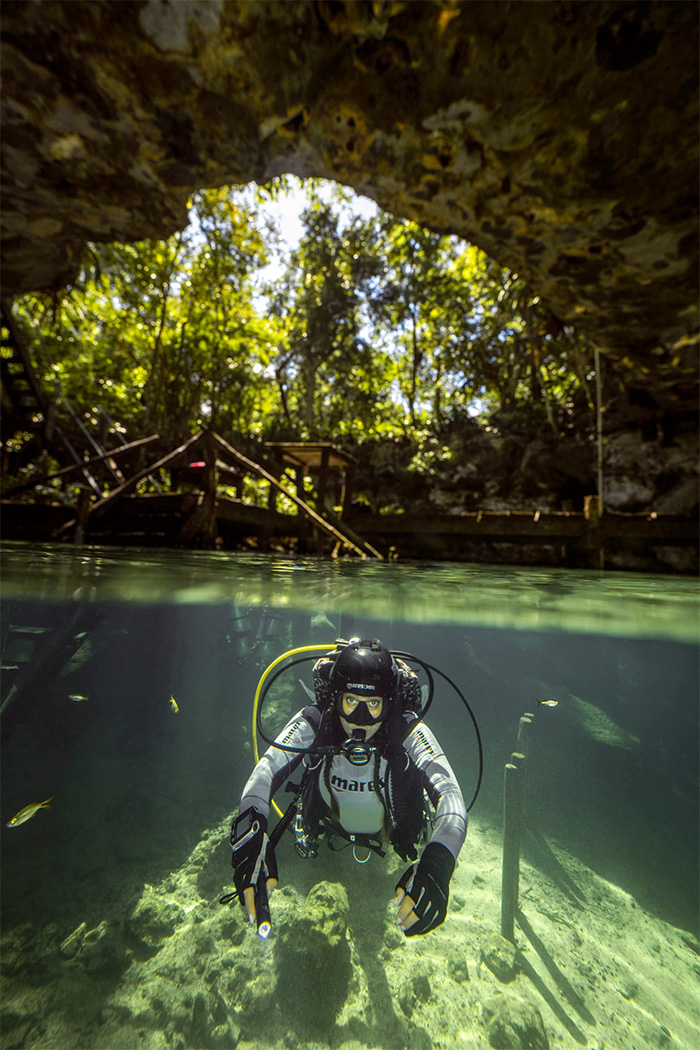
{"type": "Point", "coordinates": [310, 453]}
{"type": "Point", "coordinates": [360, 540]}
{"type": "Point", "coordinates": [78, 466]}
{"type": "Point", "coordinates": [102, 504]}
{"type": "Point", "coordinates": [304, 507]}
{"type": "Point", "coordinates": [481, 525]}
{"type": "Point", "coordinates": [546, 528]}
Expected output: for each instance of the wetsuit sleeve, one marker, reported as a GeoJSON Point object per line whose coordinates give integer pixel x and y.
{"type": "Point", "coordinates": [276, 765]}
{"type": "Point", "coordinates": [450, 825]}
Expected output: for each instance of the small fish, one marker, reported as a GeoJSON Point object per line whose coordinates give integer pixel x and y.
{"type": "Point", "coordinates": [173, 704]}
{"type": "Point", "coordinates": [27, 812]}
{"type": "Point", "coordinates": [76, 697]}
{"type": "Point", "coordinates": [548, 703]}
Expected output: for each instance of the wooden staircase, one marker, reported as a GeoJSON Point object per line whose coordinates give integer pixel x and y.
{"type": "Point", "coordinates": [30, 409]}
{"type": "Point", "coordinates": [29, 404]}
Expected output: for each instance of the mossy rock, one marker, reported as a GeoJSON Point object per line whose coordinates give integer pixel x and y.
{"type": "Point", "coordinates": [499, 955]}
{"type": "Point", "coordinates": [154, 918]}
{"type": "Point", "coordinates": [513, 1024]}
{"type": "Point", "coordinates": [312, 959]}
{"type": "Point", "coordinates": [457, 966]}
{"type": "Point", "coordinates": [415, 989]}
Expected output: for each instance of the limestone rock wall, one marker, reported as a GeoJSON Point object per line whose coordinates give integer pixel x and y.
{"type": "Point", "coordinates": [560, 137]}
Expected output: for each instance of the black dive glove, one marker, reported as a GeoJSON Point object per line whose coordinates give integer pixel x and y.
{"type": "Point", "coordinates": [427, 884]}
{"type": "Point", "coordinates": [253, 854]}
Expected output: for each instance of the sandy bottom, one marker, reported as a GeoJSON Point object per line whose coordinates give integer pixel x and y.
{"type": "Point", "coordinates": [177, 970]}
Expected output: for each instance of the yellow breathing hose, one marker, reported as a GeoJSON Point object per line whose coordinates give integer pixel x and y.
{"type": "Point", "coordinates": [256, 701]}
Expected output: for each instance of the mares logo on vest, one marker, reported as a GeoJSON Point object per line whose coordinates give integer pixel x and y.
{"type": "Point", "coordinates": [422, 739]}
{"type": "Point", "coordinates": [291, 731]}
{"type": "Point", "coordinates": [341, 784]}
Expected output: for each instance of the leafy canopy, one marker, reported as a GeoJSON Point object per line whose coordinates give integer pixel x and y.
{"type": "Point", "coordinates": [370, 327]}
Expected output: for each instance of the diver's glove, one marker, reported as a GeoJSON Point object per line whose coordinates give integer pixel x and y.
{"type": "Point", "coordinates": [427, 884]}
{"type": "Point", "coordinates": [253, 854]}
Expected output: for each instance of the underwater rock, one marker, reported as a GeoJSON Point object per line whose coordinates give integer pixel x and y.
{"type": "Point", "coordinates": [154, 918]}
{"type": "Point", "coordinates": [15, 1027]}
{"type": "Point", "coordinates": [17, 950]}
{"type": "Point", "coordinates": [393, 938]}
{"type": "Point", "coordinates": [599, 726]}
{"type": "Point", "coordinates": [100, 950]}
{"type": "Point", "coordinates": [499, 955]}
{"type": "Point", "coordinates": [103, 949]}
{"type": "Point", "coordinates": [73, 942]}
{"type": "Point", "coordinates": [312, 958]}
{"type": "Point", "coordinates": [457, 967]}
{"type": "Point", "coordinates": [278, 709]}
{"type": "Point", "coordinates": [319, 621]}
{"type": "Point", "coordinates": [415, 989]}
{"type": "Point", "coordinates": [154, 1011]}
{"type": "Point", "coordinates": [512, 1024]}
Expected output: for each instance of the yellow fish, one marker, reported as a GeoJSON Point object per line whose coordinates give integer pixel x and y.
{"type": "Point", "coordinates": [27, 812]}
{"type": "Point", "coordinates": [548, 703]}
{"type": "Point", "coordinates": [173, 704]}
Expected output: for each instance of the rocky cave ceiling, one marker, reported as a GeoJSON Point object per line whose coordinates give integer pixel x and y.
{"type": "Point", "coordinates": [561, 137]}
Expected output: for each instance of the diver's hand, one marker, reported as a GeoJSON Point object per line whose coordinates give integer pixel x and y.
{"type": "Point", "coordinates": [252, 856]}
{"type": "Point", "coordinates": [422, 892]}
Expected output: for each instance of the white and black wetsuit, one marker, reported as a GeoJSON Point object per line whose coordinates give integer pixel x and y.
{"type": "Point", "coordinates": [362, 796]}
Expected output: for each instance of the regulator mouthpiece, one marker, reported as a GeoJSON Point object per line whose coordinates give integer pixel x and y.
{"type": "Point", "coordinates": [356, 749]}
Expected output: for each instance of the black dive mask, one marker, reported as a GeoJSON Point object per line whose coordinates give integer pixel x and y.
{"type": "Point", "coordinates": [361, 717]}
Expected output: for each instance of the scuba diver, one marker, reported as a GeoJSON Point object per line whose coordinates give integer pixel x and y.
{"type": "Point", "coordinates": [371, 768]}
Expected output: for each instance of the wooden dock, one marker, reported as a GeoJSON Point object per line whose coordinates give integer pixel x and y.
{"type": "Point", "coordinates": [565, 539]}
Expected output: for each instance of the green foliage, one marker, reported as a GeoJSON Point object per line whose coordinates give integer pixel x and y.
{"type": "Point", "coordinates": [330, 380]}
{"type": "Point", "coordinates": [164, 336]}
{"type": "Point", "coordinates": [373, 328]}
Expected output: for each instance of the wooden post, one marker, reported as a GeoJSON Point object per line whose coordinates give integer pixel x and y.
{"type": "Point", "coordinates": [322, 481]}
{"type": "Point", "coordinates": [299, 482]}
{"type": "Point", "coordinates": [307, 535]}
{"type": "Point", "coordinates": [512, 826]}
{"type": "Point", "coordinates": [592, 512]}
{"type": "Point", "coordinates": [50, 422]}
{"type": "Point", "coordinates": [82, 512]}
{"type": "Point", "coordinates": [201, 526]}
{"type": "Point", "coordinates": [346, 496]}
{"type": "Point", "coordinates": [271, 498]}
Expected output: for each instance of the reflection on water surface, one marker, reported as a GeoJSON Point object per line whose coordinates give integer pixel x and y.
{"type": "Point", "coordinates": [624, 604]}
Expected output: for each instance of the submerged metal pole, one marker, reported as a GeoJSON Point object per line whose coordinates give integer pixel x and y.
{"type": "Point", "coordinates": [512, 820]}
{"type": "Point", "coordinates": [513, 809]}
{"type": "Point", "coordinates": [523, 724]}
